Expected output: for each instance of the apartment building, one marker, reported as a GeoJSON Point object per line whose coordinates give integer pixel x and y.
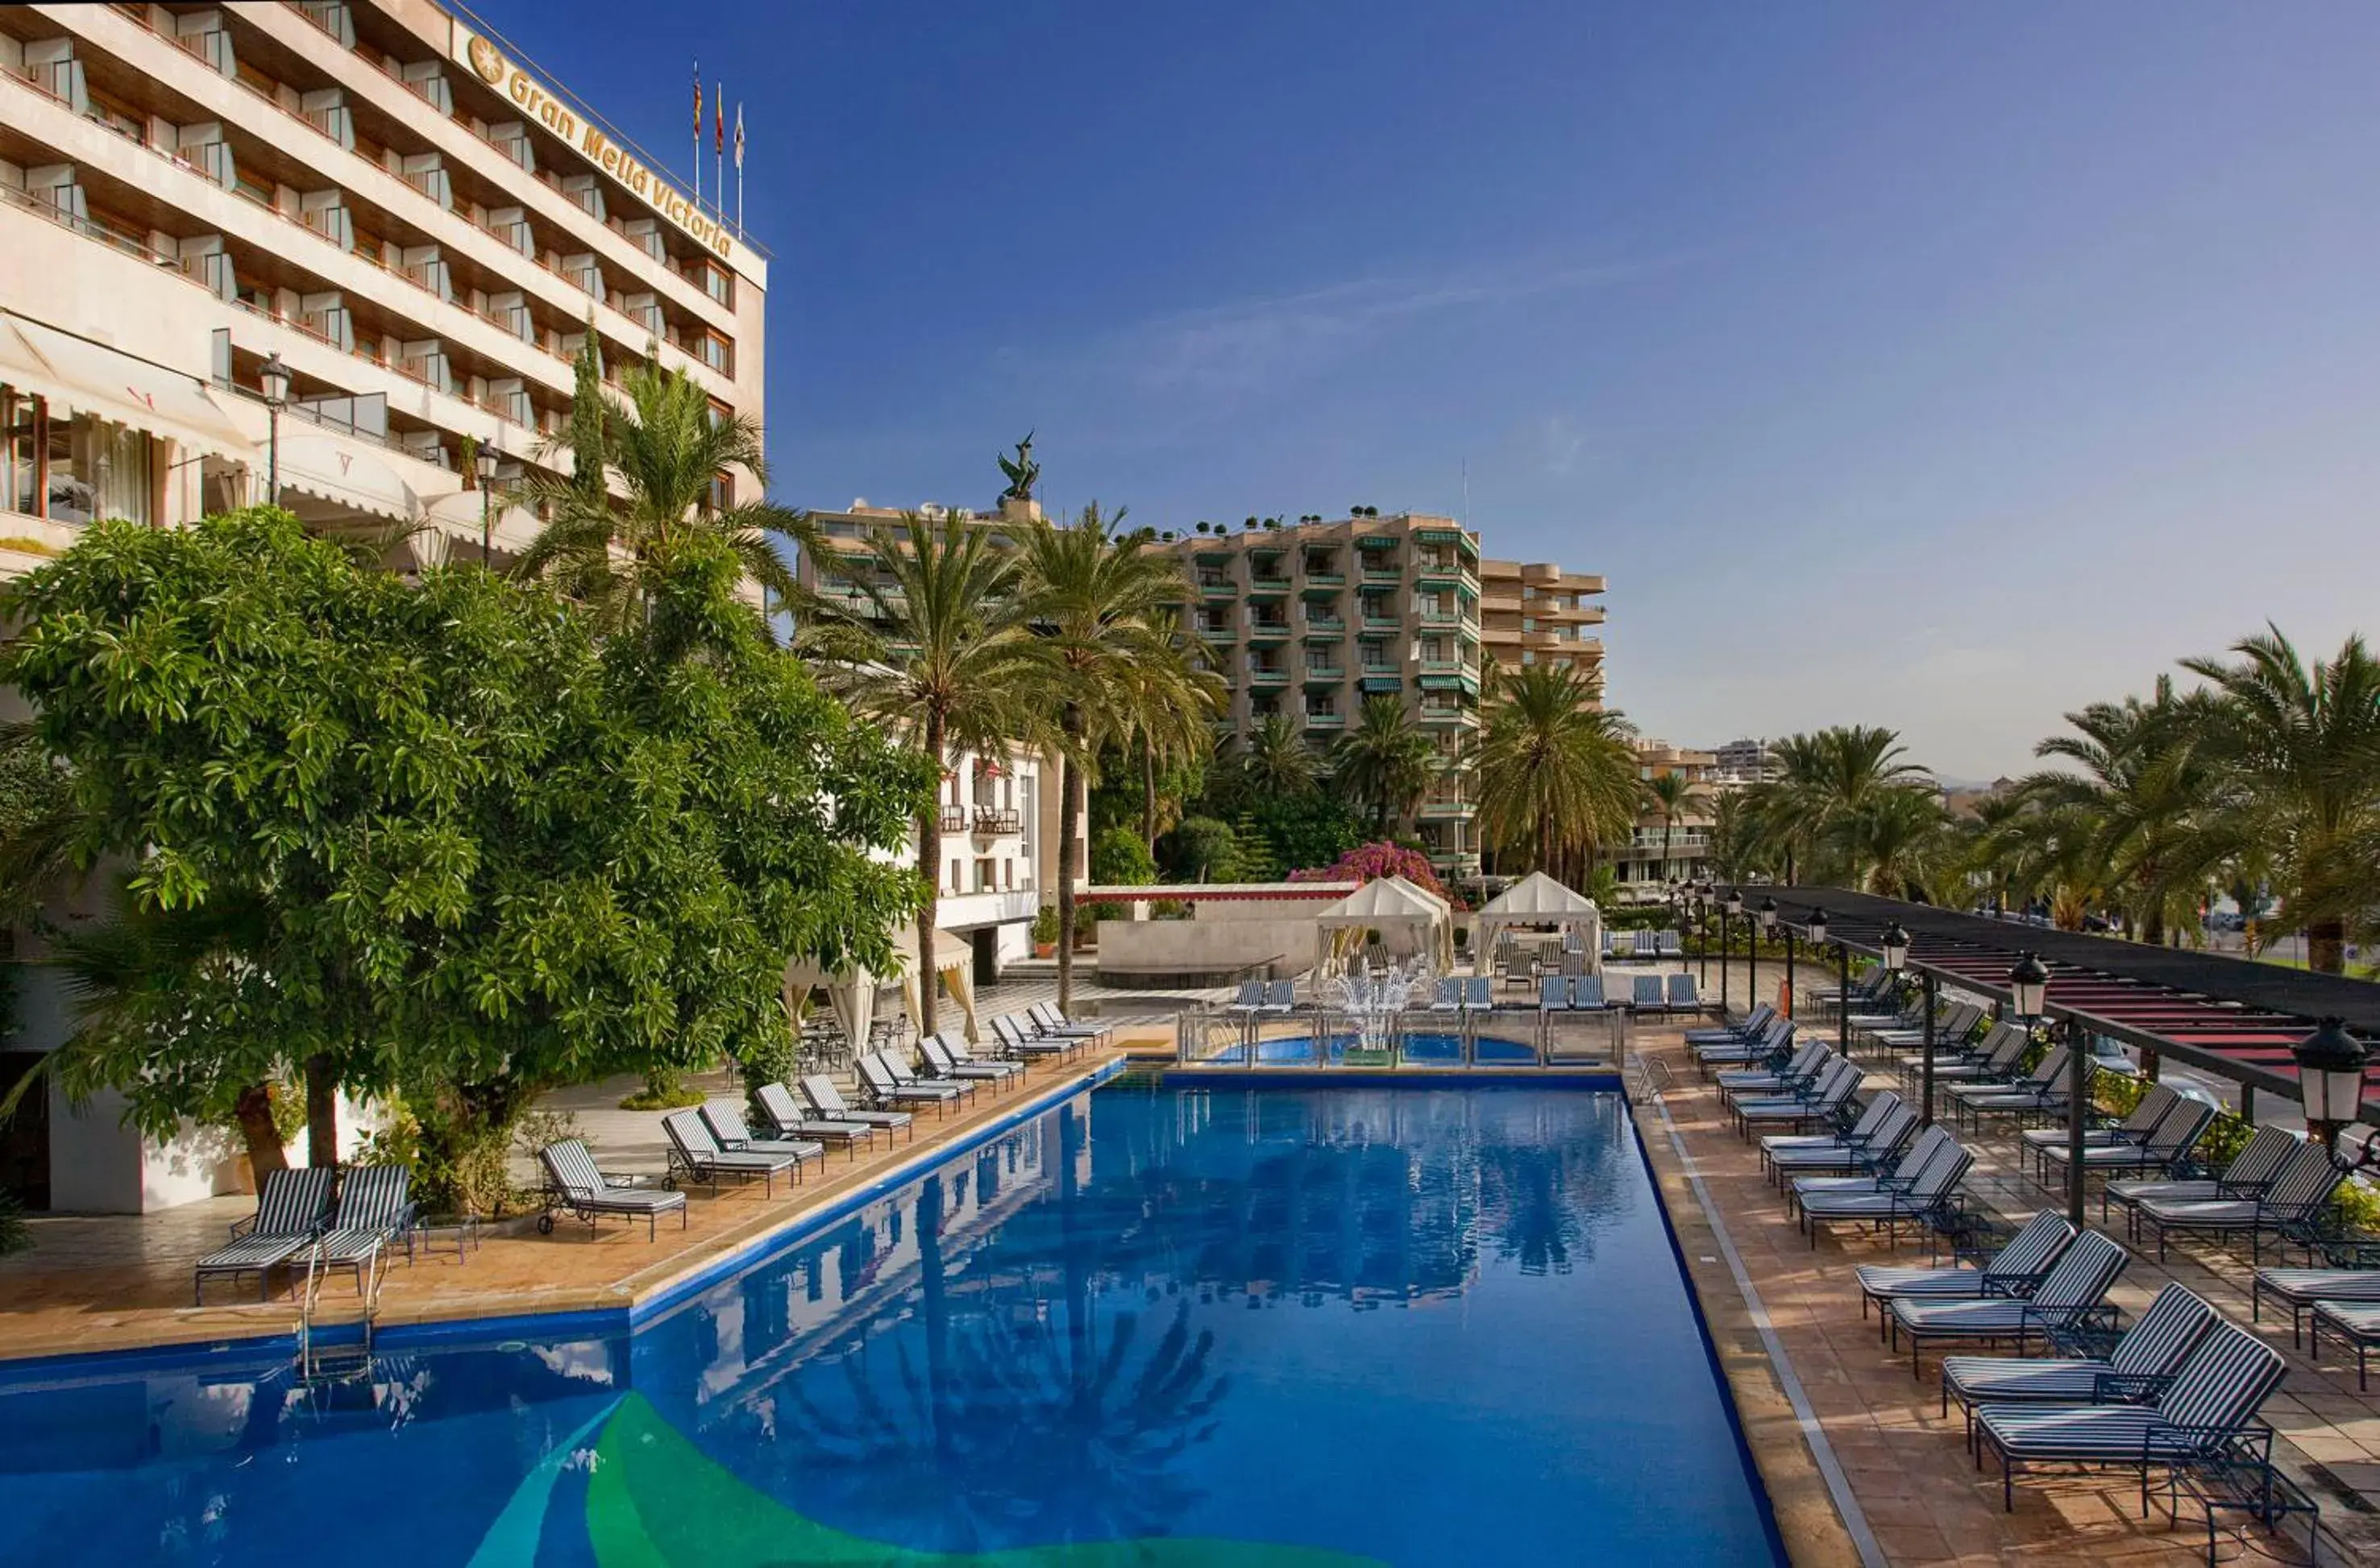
{"type": "Point", "coordinates": [1676, 847]}
{"type": "Point", "coordinates": [1309, 620]}
{"type": "Point", "coordinates": [1746, 762]}
{"type": "Point", "coordinates": [999, 821]}
{"type": "Point", "coordinates": [382, 201]}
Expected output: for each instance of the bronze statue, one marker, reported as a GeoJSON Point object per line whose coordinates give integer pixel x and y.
{"type": "Point", "coordinates": [1023, 474]}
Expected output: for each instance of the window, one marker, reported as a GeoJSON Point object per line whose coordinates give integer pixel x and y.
{"type": "Point", "coordinates": [723, 493]}
{"type": "Point", "coordinates": [956, 883]}
{"type": "Point", "coordinates": [718, 282]}
{"type": "Point", "coordinates": [20, 419]}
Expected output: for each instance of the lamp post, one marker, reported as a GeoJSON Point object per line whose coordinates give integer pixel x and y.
{"type": "Point", "coordinates": [2331, 1080]}
{"type": "Point", "coordinates": [1768, 917]}
{"type": "Point", "coordinates": [273, 376]}
{"type": "Point", "coordinates": [1843, 980]}
{"type": "Point", "coordinates": [1892, 947]}
{"type": "Point", "coordinates": [486, 463]}
{"type": "Point", "coordinates": [1702, 928]}
{"type": "Point", "coordinates": [1727, 911]}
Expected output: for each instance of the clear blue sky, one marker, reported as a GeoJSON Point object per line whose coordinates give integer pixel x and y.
{"type": "Point", "coordinates": [1936, 367]}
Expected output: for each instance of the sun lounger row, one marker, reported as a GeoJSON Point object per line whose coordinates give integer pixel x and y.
{"type": "Point", "coordinates": [299, 1221]}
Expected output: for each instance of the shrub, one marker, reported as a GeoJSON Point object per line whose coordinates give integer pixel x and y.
{"type": "Point", "coordinates": [1371, 860]}
{"type": "Point", "coordinates": [1203, 849]}
{"type": "Point", "coordinates": [1119, 859]}
{"type": "Point", "coordinates": [1045, 925]}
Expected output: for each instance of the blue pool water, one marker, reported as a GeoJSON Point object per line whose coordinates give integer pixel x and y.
{"type": "Point", "coordinates": [1280, 1328]}
{"type": "Point", "coordinates": [1433, 1049]}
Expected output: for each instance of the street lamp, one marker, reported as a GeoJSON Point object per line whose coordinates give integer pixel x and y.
{"type": "Point", "coordinates": [1729, 907]}
{"type": "Point", "coordinates": [273, 376]}
{"type": "Point", "coordinates": [1895, 942]}
{"type": "Point", "coordinates": [2330, 1079]}
{"type": "Point", "coordinates": [486, 463]}
{"type": "Point", "coordinates": [1766, 916]}
{"type": "Point", "coordinates": [2028, 985]}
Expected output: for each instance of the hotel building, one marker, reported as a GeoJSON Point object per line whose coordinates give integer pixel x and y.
{"type": "Point", "coordinates": [385, 201]}
{"type": "Point", "coordinates": [389, 204]}
{"type": "Point", "coordinates": [1310, 620]}
{"type": "Point", "coordinates": [1660, 852]}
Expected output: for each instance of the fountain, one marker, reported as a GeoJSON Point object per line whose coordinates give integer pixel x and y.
{"type": "Point", "coordinates": [1374, 1003]}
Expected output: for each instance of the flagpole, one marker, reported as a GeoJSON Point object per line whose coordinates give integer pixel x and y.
{"type": "Point", "coordinates": [739, 168]}
{"type": "Point", "coordinates": [719, 152]}
{"type": "Point", "coordinates": [697, 135]}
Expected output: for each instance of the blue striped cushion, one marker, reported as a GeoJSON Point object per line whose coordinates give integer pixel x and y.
{"type": "Point", "coordinates": [572, 1167]}
{"type": "Point", "coordinates": [372, 1197]}
{"type": "Point", "coordinates": [1995, 1377]}
{"type": "Point", "coordinates": [293, 1202]}
{"type": "Point", "coordinates": [2301, 1285]}
{"type": "Point", "coordinates": [2155, 1345]}
{"type": "Point", "coordinates": [2083, 1275]}
{"type": "Point", "coordinates": [2224, 1380]}
{"type": "Point", "coordinates": [253, 1252]}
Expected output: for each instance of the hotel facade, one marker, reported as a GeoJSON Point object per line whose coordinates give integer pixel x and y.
{"type": "Point", "coordinates": [384, 200]}
{"type": "Point", "coordinates": [1309, 620]}
{"type": "Point", "coordinates": [389, 206]}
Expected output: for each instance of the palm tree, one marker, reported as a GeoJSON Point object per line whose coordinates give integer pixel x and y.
{"type": "Point", "coordinates": [1554, 768]}
{"type": "Point", "coordinates": [934, 648]}
{"type": "Point", "coordinates": [2297, 746]}
{"type": "Point", "coordinates": [1669, 794]}
{"type": "Point", "coordinates": [1273, 760]}
{"type": "Point", "coordinates": [1898, 839]}
{"type": "Point", "coordinates": [663, 448]}
{"type": "Point", "coordinates": [1171, 712]}
{"type": "Point", "coordinates": [2143, 774]}
{"type": "Point", "coordinates": [1385, 763]}
{"type": "Point", "coordinates": [1824, 779]}
{"type": "Point", "coordinates": [1100, 606]}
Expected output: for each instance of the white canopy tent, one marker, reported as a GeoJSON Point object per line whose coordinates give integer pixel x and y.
{"type": "Point", "coordinates": [1538, 900]}
{"type": "Point", "coordinates": [1385, 904]}
{"type": "Point", "coordinates": [851, 990]}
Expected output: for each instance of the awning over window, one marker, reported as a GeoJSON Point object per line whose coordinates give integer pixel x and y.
{"type": "Point", "coordinates": [82, 377]}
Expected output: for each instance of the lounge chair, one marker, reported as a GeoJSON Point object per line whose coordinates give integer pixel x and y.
{"type": "Point", "coordinates": [828, 1102]}
{"type": "Point", "coordinates": [1893, 1174]}
{"type": "Point", "coordinates": [1245, 1003]}
{"type": "Point", "coordinates": [2073, 1290]}
{"type": "Point", "coordinates": [948, 1067]}
{"type": "Point", "coordinates": [888, 1086]}
{"type": "Point", "coordinates": [1280, 999]}
{"type": "Point", "coordinates": [1682, 997]}
{"type": "Point", "coordinates": [290, 1212]}
{"type": "Point", "coordinates": [2199, 1419]}
{"type": "Point", "coordinates": [2356, 1322]}
{"type": "Point", "coordinates": [904, 1073]}
{"type": "Point", "coordinates": [1922, 1201]}
{"type": "Point", "coordinates": [1009, 1030]}
{"type": "Point", "coordinates": [2137, 1370]}
{"type": "Point", "coordinates": [374, 1210]}
{"type": "Point", "coordinates": [1794, 1112]}
{"type": "Point", "coordinates": [2290, 1205]}
{"type": "Point", "coordinates": [1553, 993]}
{"type": "Point", "coordinates": [955, 1046]}
{"type": "Point", "coordinates": [1804, 1068]}
{"type": "Point", "coordinates": [2038, 1092]}
{"type": "Point", "coordinates": [1995, 1059]}
{"type": "Point", "coordinates": [1877, 1134]}
{"type": "Point", "coordinates": [1585, 994]}
{"type": "Point", "coordinates": [2166, 1149]}
{"type": "Point", "coordinates": [1445, 996]}
{"type": "Point", "coordinates": [573, 1185]}
{"type": "Point", "coordinates": [1754, 1024]}
{"type": "Point", "coordinates": [1478, 995]}
{"type": "Point", "coordinates": [732, 1133]}
{"type": "Point", "coordinates": [1777, 1037]}
{"type": "Point", "coordinates": [2352, 1276]}
{"type": "Point", "coordinates": [1647, 994]}
{"type": "Point", "coordinates": [786, 1121]}
{"type": "Point", "coordinates": [2013, 1271]}
{"type": "Point", "coordinates": [696, 1154]}
{"type": "Point", "coordinates": [1055, 1024]}
{"type": "Point", "coordinates": [2250, 1173]}
{"type": "Point", "coordinates": [1949, 1032]}
{"type": "Point", "coordinates": [2134, 1129]}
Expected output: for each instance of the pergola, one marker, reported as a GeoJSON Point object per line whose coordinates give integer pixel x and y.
{"type": "Point", "coordinates": [2233, 1019]}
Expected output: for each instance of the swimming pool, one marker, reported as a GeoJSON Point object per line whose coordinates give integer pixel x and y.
{"type": "Point", "coordinates": [1421, 1047]}
{"type": "Point", "coordinates": [1285, 1329]}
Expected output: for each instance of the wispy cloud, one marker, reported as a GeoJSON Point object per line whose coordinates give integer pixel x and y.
{"type": "Point", "coordinates": [1225, 350]}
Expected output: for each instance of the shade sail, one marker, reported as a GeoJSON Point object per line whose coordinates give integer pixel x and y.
{"type": "Point", "coordinates": [90, 378]}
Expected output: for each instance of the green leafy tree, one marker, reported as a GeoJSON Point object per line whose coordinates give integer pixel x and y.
{"type": "Point", "coordinates": [1119, 860]}
{"type": "Point", "coordinates": [1385, 763]}
{"type": "Point", "coordinates": [1825, 782]}
{"type": "Point", "coordinates": [1555, 770]}
{"type": "Point", "coordinates": [935, 648]}
{"type": "Point", "coordinates": [1100, 607]}
{"type": "Point", "coordinates": [1203, 849]}
{"type": "Point", "coordinates": [434, 838]}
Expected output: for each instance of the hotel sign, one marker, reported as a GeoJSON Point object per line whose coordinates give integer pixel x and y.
{"type": "Point", "coordinates": [590, 142]}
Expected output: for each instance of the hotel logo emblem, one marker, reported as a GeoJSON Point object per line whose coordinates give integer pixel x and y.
{"type": "Point", "coordinates": [487, 62]}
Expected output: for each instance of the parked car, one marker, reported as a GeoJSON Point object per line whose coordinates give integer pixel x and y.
{"type": "Point", "coordinates": [2109, 1056]}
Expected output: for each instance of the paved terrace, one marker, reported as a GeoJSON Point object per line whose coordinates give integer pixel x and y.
{"type": "Point", "coordinates": [108, 1282]}
{"type": "Point", "coordinates": [1920, 1495]}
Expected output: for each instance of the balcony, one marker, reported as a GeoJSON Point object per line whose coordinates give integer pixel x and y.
{"type": "Point", "coordinates": [1268, 675]}
{"type": "Point", "coordinates": [1268, 586]}
{"type": "Point", "coordinates": [1379, 570]}
{"type": "Point", "coordinates": [1439, 808]}
{"type": "Point", "coordinates": [1429, 714]}
{"type": "Point", "coordinates": [1325, 675]}
{"type": "Point", "coordinates": [1333, 721]}
{"type": "Point", "coordinates": [1326, 579]}
{"type": "Point", "coordinates": [990, 820]}
{"type": "Point", "coordinates": [1267, 631]}
{"type": "Point", "coordinates": [1214, 585]}
{"type": "Point", "coordinates": [953, 818]}
{"type": "Point", "coordinates": [1326, 625]}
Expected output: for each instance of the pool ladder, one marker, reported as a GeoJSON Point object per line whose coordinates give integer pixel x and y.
{"type": "Point", "coordinates": [1652, 1077]}
{"type": "Point", "coordinates": [325, 1366]}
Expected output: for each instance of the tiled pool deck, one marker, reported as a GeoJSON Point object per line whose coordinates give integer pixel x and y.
{"type": "Point", "coordinates": [1922, 1497]}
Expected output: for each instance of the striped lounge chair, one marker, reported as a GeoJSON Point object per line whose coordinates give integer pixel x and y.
{"type": "Point", "coordinates": [2013, 1271]}
{"type": "Point", "coordinates": [1682, 997]}
{"type": "Point", "coordinates": [2251, 1171]}
{"type": "Point", "coordinates": [1923, 1201]}
{"type": "Point", "coordinates": [1647, 994]}
{"type": "Point", "coordinates": [2356, 1322]}
{"type": "Point", "coordinates": [2073, 1289]}
{"type": "Point", "coordinates": [2352, 1275]}
{"type": "Point", "coordinates": [886, 1088]}
{"type": "Point", "coordinates": [958, 1055]}
{"type": "Point", "coordinates": [2290, 1204]}
{"type": "Point", "coordinates": [1874, 1140]}
{"type": "Point", "coordinates": [1891, 1176]}
{"type": "Point", "coordinates": [2038, 1093]}
{"type": "Point", "coordinates": [1792, 1112]}
{"type": "Point", "coordinates": [728, 1128]}
{"type": "Point", "coordinates": [1799, 1068]}
{"type": "Point", "coordinates": [1055, 1024]}
{"type": "Point", "coordinates": [948, 1068]}
{"type": "Point", "coordinates": [1772, 1044]}
{"type": "Point", "coordinates": [695, 1154]}
{"type": "Point", "coordinates": [2164, 1150]}
{"type": "Point", "coordinates": [1026, 1046]}
{"type": "Point", "coordinates": [2135, 1371]}
{"type": "Point", "coordinates": [290, 1213]}
{"type": "Point", "coordinates": [574, 1186]}
{"type": "Point", "coordinates": [1993, 1060]}
{"type": "Point", "coordinates": [2133, 1130]}
{"type": "Point", "coordinates": [1754, 1023]}
{"type": "Point", "coordinates": [786, 1120]}
{"type": "Point", "coordinates": [374, 1210]}
{"type": "Point", "coordinates": [2210, 1405]}
{"type": "Point", "coordinates": [828, 1102]}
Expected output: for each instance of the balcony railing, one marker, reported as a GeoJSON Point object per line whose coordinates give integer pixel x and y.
{"type": "Point", "coordinates": [953, 818]}
{"type": "Point", "coordinates": [998, 819]}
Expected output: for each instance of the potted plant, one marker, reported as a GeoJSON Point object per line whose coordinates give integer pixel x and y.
{"type": "Point", "coordinates": [1045, 931]}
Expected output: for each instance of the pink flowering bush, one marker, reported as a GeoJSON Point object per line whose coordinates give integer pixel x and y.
{"type": "Point", "coordinates": [1368, 861]}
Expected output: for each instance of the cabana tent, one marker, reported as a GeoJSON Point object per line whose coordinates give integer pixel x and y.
{"type": "Point", "coordinates": [851, 990]}
{"type": "Point", "coordinates": [1538, 900]}
{"type": "Point", "coordinates": [1385, 904]}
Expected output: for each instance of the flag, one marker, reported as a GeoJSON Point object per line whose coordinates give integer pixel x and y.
{"type": "Point", "coordinates": [719, 123]}
{"type": "Point", "coordinates": [697, 103]}
{"type": "Point", "coordinates": [739, 137]}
